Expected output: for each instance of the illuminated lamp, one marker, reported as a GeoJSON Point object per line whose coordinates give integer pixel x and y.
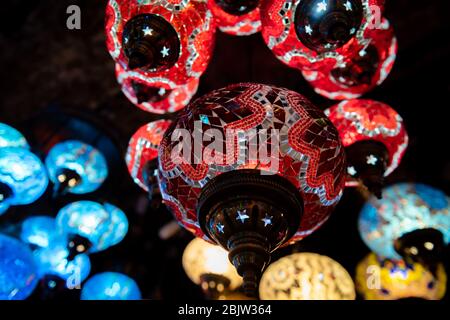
{"type": "Point", "coordinates": [23, 178]}
{"type": "Point", "coordinates": [110, 286]}
{"type": "Point", "coordinates": [306, 276]}
{"type": "Point", "coordinates": [375, 139]}
{"type": "Point", "coordinates": [412, 222]}
{"type": "Point", "coordinates": [235, 196]}
{"type": "Point", "coordinates": [91, 226]}
{"type": "Point", "coordinates": [169, 41]}
{"type": "Point", "coordinates": [386, 279]}
{"type": "Point", "coordinates": [76, 167]}
{"type": "Point", "coordinates": [207, 265]}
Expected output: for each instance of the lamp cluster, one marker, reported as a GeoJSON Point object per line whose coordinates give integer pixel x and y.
{"type": "Point", "coordinates": [247, 169]}
{"type": "Point", "coordinates": [48, 252]}
{"type": "Point", "coordinates": [251, 167]}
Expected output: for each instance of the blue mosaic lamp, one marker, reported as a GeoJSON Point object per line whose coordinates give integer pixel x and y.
{"type": "Point", "coordinates": [23, 178]}
{"type": "Point", "coordinates": [41, 231]}
{"type": "Point", "coordinates": [411, 221]}
{"type": "Point", "coordinates": [92, 226]}
{"type": "Point", "coordinates": [110, 286]}
{"type": "Point", "coordinates": [56, 260]}
{"type": "Point", "coordinates": [76, 167]}
{"type": "Point", "coordinates": [10, 137]}
{"type": "Point", "coordinates": [18, 272]}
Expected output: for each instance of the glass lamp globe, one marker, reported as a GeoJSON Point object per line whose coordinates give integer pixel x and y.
{"type": "Point", "coordinates": [306, 276]}
{"type": "Point", "coordinates": [10, 137]}
{"type": "Point", "coordinates": [55, 260]}
{"type": "Point", "coordinates": [411, 221]}
{"type": "Point", "coordinates": [76, 167]}
{"type": "Point", "coordinates": [167, 42]}
{"type": "Point", "coordinates": [23, 178]}
{"type": "Point", "coordinates": [92, 226]}
{"type": "Point", "coordinates": [41, 231]}
{"type": "Point", "coordinates": [379, 278]}
{"type": "Point", "coordinates": [207, 265]}
{"type": "Point", "coordinates": [375, 140]}
{"type": "Point", "coordinates": [235, 195]}
{"type": "Point", "coordinates": [359, 70]}
{"type": "Point", "coordinates": [18, 273]}
{"type": "Point", "coordinates": [110, 286]}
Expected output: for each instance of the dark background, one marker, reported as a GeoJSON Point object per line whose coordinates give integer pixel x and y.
{"type": "Point", "coordinates": [44, 64]}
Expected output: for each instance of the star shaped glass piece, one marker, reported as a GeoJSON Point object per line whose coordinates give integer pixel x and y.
{"type": "Point", "coordinates": [348, 6]}
{"type": "Point", "coordinates": [165, 51]}
{"type": "Point", "coordinates": [242, 215]}
{"type": "Point", "coordinates": [322, 6]}
{"type": "Point", "coordinates": [372, 160]}
{"type": "Point", "coordinates": [147, 31]}
{"type": "Point", "coordinates": [267, 220]}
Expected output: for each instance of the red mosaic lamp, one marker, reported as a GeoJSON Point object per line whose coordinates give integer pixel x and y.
{"type": "Point", "coordinates": [142, 92]}
{"type": "Point", "coordinates": [170, 41]}
{"type": "Point", "coordinates": [375, 139]}
{"type": "Point", "coordinates": [360, 72]}
{"type": "Point", "coordinates": [230, 193]}
{"type": "Point", "coordinates": [238, 18]}
{"type": "Point", "coordinates": [142, 153]}
{"type": "Point", "coordinates": [318, 35]}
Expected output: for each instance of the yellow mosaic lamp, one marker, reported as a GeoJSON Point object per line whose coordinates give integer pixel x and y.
{"type": "Point", "coordinates": [306, 276]}
{"type": "Point", "coordinates": [378, 278]}
{"type": "Point", "coordinates": [207, 265]}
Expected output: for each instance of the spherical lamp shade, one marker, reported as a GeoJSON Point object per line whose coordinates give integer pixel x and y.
{"type": "Point", "coordinates": [208, 265]}
{"type": "Point", "coordinates": [10, 137]}
{"type": "Point", "coordinates": [76, 167]}
{"type": "Point", "coordinates": [306, 276]}
{"type": "Point", "coordinates": [18, 273]}
{"type": "Point", "coordinates": [142, 152]}
{"type": "Point", "coordinates": [169, 41]}
{"type": "Point", "coordinates": [359, 72]}
{"type": "Point", "coordinates": [385, 279]}
{"type": "Point", "coordinates": [238, 18]}
{"type": "Point", "coordinates": [110, 286]}
{"type": "Point", "coordinates": [316, 35]}
{"type": "Point", "coordinates": [222, 189]}
{"type": "Point", "coordinates": [412, 220]}
{"type": "Point", "coordinates": [375, 139]}
{"type": "Point", "coordinates": [55, 260]}
{"type": "Point", "coordinates": [41, 231]}
{"type": "Point", "coordinates": [92, 226]}
{"type": "Point", "coordinates": [23, 178]}
{"type": "Point", "coordinates": [143, 93]}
